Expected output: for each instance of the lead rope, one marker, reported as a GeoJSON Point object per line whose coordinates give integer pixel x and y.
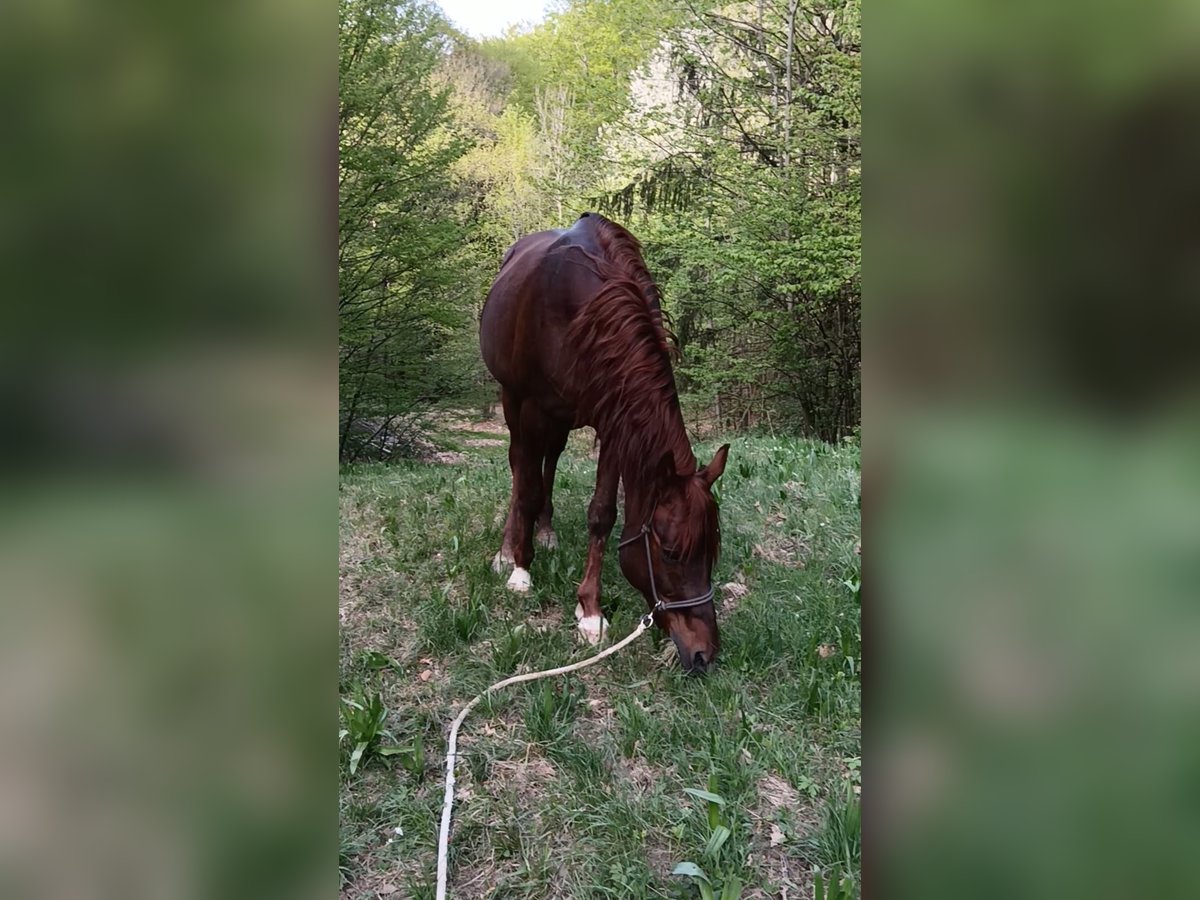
{"type": "Point", "coordinates": [452, 748]}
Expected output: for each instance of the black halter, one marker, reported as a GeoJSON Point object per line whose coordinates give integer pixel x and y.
{"type": "Point", "coordinates": [659, 603]}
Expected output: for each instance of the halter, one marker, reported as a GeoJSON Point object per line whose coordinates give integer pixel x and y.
{"type": "Point", "coordinates": [661, 605]}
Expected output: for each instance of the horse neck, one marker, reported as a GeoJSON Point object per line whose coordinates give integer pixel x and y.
{"type": "Point", "coordinates": [622, 376]}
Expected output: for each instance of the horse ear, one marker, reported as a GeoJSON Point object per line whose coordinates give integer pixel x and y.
{"type": "Point", "coordinates": [713, 470]}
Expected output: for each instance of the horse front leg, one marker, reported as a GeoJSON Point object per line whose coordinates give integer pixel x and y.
{"type": "Point", "coordinates": [602, 514]}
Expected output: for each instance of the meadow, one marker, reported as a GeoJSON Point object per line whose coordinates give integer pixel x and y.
{"type": "Point", "coordinates": [606, 782]}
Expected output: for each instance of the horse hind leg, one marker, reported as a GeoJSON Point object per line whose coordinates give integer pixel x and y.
{"type": "Point", "coordinates": [555, 443]}
{"type": "Point", "coordinates": [518, 532]}
{"type": "Point", "coordinates": [547, 537]}
{"type": "Point", "coordinates": [504, 559]}
{"type": "Point", "coordinates": [525, 454]}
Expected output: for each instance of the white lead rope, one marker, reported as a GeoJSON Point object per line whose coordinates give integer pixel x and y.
{"type": "Point", "coordinates": [452, 747]}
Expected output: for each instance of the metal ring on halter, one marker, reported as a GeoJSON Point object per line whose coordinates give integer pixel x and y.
{"type": "Point", "coordinates": [659, 603]}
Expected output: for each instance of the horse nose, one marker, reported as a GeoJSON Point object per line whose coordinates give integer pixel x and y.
{"type": "Point", "coordinates": [699, 663]}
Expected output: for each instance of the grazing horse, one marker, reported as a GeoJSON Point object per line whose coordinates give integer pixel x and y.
{"type": "Point", "coordinates": [572, 329]}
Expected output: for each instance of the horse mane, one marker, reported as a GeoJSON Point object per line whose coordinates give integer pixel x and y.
{"type": "Point", "coordinates": [623, 252]}
{"type": "Point", "coordinates": [622, 370]}
{"type": "Point", "coordinates": [705, 531]}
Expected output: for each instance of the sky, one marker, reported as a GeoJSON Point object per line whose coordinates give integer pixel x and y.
{"type": "Point", "coordinates": [489, 18]}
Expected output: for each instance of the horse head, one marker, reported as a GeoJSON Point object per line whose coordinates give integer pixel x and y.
{"type": "Point", "coordinates": [670, 560]}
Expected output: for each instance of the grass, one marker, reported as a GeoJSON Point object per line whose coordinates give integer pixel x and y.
{"type": "Point", "coordinates": [575, 787]}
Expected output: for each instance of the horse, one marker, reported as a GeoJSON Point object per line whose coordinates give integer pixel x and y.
{"type": "Point", "coordinates": [572, 329]}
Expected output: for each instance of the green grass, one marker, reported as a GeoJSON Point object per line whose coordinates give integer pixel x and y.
{"type": "Point", "coordinates": [575, 787]}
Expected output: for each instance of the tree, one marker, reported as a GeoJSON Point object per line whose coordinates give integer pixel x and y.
{"type": "Point", "coordinates": [727, 136]}
{"type": "Point", "coordinates": [398, 237]}
{"type": "Point", "coordinates": [747, 182]}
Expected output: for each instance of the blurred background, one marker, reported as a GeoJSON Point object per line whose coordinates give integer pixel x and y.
{"type": "Point", "coordinates": [1031, 450]}
{"type": "Point", "coordinates": [167, 530]}
{"type": "Point", "coordinates": [168, 387]}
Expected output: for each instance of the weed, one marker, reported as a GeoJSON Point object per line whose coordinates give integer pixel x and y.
{"type": "Point", "coordinates": [551, 710]}
{"type": "Point", "coordinates": [363, 718]}
{"type": "Point", "coordinates": [838, 844]}
{"type": "Point", "coordinates": [362, 723]}
{"type": "Point", "coordinates": [731, 889]}
{"type": "Point", "coordinates": [374, 660]}
{"type": "Point", "coordinates": [411, 757]}
{"type": "Point", "coordinates": [840, 887]}
{"type": "Point", "coordinates": [509, 651]}
{"type": "Point", "coordinates": [719, 832]}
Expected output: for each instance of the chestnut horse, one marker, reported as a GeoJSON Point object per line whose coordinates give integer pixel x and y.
{"type": "Point", "coordinates": [572, 329]}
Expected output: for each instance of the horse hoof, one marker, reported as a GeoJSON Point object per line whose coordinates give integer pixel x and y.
{"type": "Point", "coordinates": [592, 628]}
{"type": "Point", "coordinates": [519, 581]}
{"type": "Point", "coordinates": [501, 561]}
{"type": "Point", "coordinates": [547, 538]}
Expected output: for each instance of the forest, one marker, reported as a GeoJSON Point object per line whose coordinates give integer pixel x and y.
{"type": "Point", "coordinates": [725, 136]}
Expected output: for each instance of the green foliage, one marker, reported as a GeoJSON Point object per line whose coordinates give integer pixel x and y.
{"type": "Point", "coordinates": [508, 651]}
{"type": "Point", "coordinates": [588, 49]}
{"type": "Point", "coordinates": [551, 710]}
{"type": "Point", "coordinates": [363, 718]}
{"type": "Point", "coordinates": [699, 878]}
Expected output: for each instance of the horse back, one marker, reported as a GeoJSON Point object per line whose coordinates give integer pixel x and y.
{"type": "Point", "coordinates": [544, 280]}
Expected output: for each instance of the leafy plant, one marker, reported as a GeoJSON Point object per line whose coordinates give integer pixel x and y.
{"type": "Point", "coordinates": [362, 723]}
{"type": "Point", "coordinates": [508, 650]}
{"type": "Point", "coordinates": [853, 583]}
{"type": "Point", "coordinates": [363, 718]}
{"type": "Point", "coordinates": [411, 757]}
{"type": "Point", "coordinates": [374, 660]}
{"type": "Point", "coordinates": [840, 887]}
{"type": "Point", "coordinates": [469, 622]}
{"type": "Point", "coordinates": [730, 890]}
{"type": "Point", "coordinates": [854, 768]}
{"type": "Point", "coordinates": [719, 832]}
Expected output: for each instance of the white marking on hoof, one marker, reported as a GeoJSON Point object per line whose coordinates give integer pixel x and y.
{"type": "Point", "coordinates": [547, 538]}
{"type": "Point", "coordinates": [593, 628]}
{"type": "Point", "coordinates": [501, 561]}
{"type": "Point", "coordinates": [519, 581]}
